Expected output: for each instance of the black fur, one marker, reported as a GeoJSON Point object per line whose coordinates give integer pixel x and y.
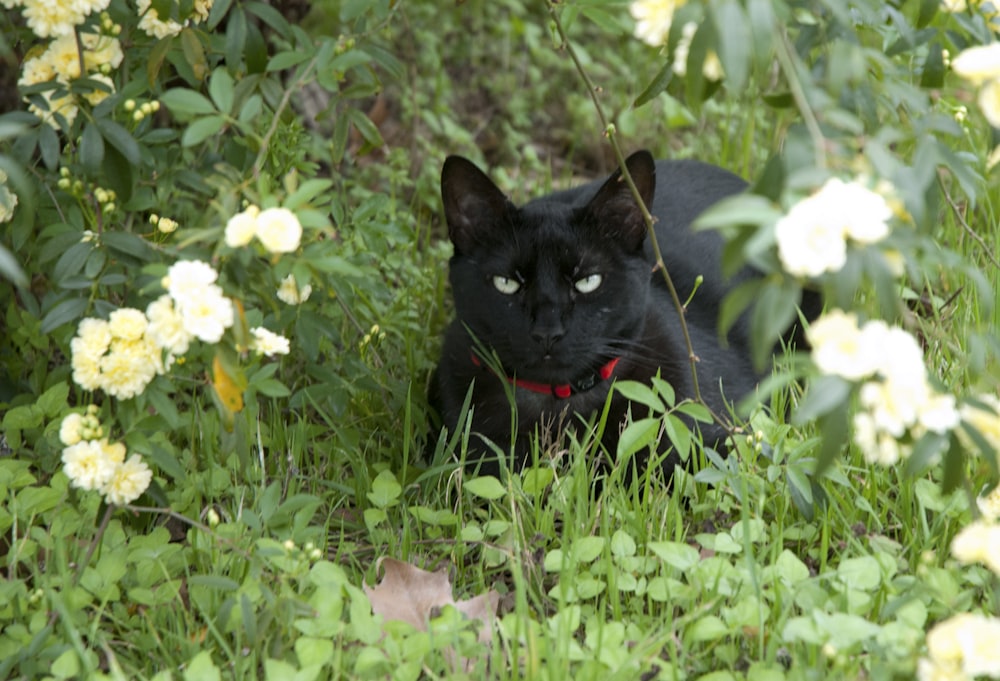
{"type": "Point", "coordinates": [550, 332]}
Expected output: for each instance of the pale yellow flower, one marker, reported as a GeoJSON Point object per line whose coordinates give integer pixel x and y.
{"type": "Point", "coordinates": [994, 158]}
{"type": "Point", "coordinates": [99, 50]}
{"type": "Point", "coordinates": [986, 420]}
{"type": "Point", "coordinates": [8, 199]}
{"type": "Point", "coordinates": [87, 347]}
{"type": "Point", "coordinates": [127, 482]}
{"type": "Point", "coordinates": [166, 326]}
{"type": "Point", "coordinates": [989, 101]}
{"type": "Point", "coordinates": [877, 446]}
{"type": "Point", "coordinates": [290, 293]}
{"type": "Point", "coordinates": [64, 57]}
{"type": "Point", "coordinates": [837, 346]}
{"type": "Point", "coordinates": [653, 19]}
{"type": "Point", "coordinates": [70, 429]}
{"type": "Point", "coordinates": [966, 645]}
{"type": "Point", "coordinates": [151, 24]}
{"type": "Point", "coordinates": [279, 230]}
{"type": "Point", "coordinates": [268, 343]}
{"type": "Point", "coordinates": [242, 227]}
{"type": "Point", "coordinates": [88, 464]}
{"type": "Point", "coordinates": [129, 367]}
{"type": "Point", "coordinates": [893, 406]}
{"type": "Point", "coordinates": [127, 323]}
{"type": "Point", "coordinates": [201, 10]}
{"type": "Point", "coordinates": [98, 95]}
{"type": "Point", "coordinates": [47, 18]}
{"type": "Point", "coordinates": [208, 315]}
{"type": "Point", "coordinates": [989, 505]}
{"type": "Point", "coordinates": [978, 64]}
{"type": "Point", "coordinates": [978, 542]}
{"type": "Point", "coordinates": [188, 278]}
{"type": "Point", "coordinates": [953, 5]}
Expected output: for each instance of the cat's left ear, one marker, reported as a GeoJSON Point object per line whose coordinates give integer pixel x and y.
{"type": "Point", "coordinates": [614, 209]}
{"type": "Point", "coordinates": [472, 203]}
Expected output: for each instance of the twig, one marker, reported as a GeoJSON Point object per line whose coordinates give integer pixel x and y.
{"type": "Point", "coordinates": [966, 226]}
{"type": "Point", "coordinates": [276, 119]}
{"type": "Point", "coordinates": [609, 130]}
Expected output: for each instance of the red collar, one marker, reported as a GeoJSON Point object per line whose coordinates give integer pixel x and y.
{"type": "Point", "coordinates": [562, 390]}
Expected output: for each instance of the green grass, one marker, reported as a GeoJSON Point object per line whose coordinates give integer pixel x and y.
{"type": "Point", "coordinates": [746, 567]}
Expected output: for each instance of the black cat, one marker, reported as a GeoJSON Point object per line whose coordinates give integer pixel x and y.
{"type": "Point", "coordinates": [562, 293]}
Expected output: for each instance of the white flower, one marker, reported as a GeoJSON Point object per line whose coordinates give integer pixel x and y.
{"type": "Point", "coordinates": [978, 64]}
{"type": "Point", "coordinates": [989, 505]}
{"type": "Point", "coordinates": [242, 227]}
{"type": "Point", "coordinates": [290, 293]}
{"type": "Point", "coordinates": [166, 326]}
{"type": "Point", "coordinates": [91, 463]}
{"type": "Point", "coordinates": [893, 406]}
{"type": "Point", "coordinates": [187, 278]}
{"type": "Point", "coordinates": [127, 323]}
{"type": "Point", "coordinates": [268, 343]}
{"type": "Point", "coordinates": [937, 413]}
{"type": "Point", "coordinates": [70, 429]}
{"type": "Point", "coordinates": [839, 347]}
{"type": "Point", "coordinates": [809, 243]}
{"type": "Point", "coordinates": [127, 482]}
{"type": "Point", "coordinates": [279, 230]}
{"type": "Point", "coordinates": [129, 366]}
{"type": "Point", "coordinates": [151, 24]}
{"type": "Point", "coordinates": [653, 19]}
{"type": "Point", "coordinates": [953, 5]}
{"type": "Point", "coordinates": [985, 419]}
{"type": "Point", "coordinates": [208, 314]}
{"type": "Point", "coordinates": [978, 542]}
{"type": "Point", "coordinates": [989, 101]}
{"type": "Point", "coordinates": [901, 357]}
{"type": "Point", "coordinates": [876, 446]}
{"type": "Point", "coordinates": [965, 645]}
{"type": "Point", "coordinates": [812, 235]}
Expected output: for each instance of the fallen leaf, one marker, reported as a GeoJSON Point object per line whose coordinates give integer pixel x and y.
{"type": "Point", "coordinates": [407, 593]}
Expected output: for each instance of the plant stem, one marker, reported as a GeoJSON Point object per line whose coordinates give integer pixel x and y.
{"type": "Point", "coordinates": [610, 133]}
{"type": "Point", "coordinates": [783, 52]}
{"type": "Point", "coordinates": [93, 544]}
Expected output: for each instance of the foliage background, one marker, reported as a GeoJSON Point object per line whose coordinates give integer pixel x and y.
{"type": "Point", "coordinates": [344, 111]}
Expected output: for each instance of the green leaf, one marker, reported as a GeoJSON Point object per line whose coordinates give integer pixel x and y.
{"type": "Point", "coordinates": [656, 86]}
{"type": "Point", "coordinates": [121, 139]}
{"type": "Point", "coordinates": [53, 401]}
{"type": "Point", "coordinates": [129, 244]}
{"type": "Point", "coordinates": [184, 102]}
{"type": "Point", "coordinates": [72, 261]}
{"type": "Point", "coordinates": [676, 554]}
{"type": "Point", "coordinates": [220, 88]}
{"type": "Point", "coordinates": [236, 38]}
{"type": "Point", "coordinates": [641, 393]}
{"type": "Point", "coordinates": [776, 309]}
{"type": "Point", "coordinates": [485, 487]}
{"type": "Point", "coordinates": [385, 490]}
{"type": "Point", "coordinates": [637, 435]}
{"type": "Point", "coordinates": [286, 60]}
{"type": "Point", "coordinates": [862, 573]}
{"type": "Point", "coordinates": [306, 192]}
{"type": "Point", "coordinates": [364, 125]}
{"type": "Point", "coordinates": [63, 313]}
{"type": "Point", "coordinates": [91, 148]}
{"type": "Point", "coordinates": [120, 173]}
{"type": "Point", "coordinates": [587, 549]}
{"type": "Point", "coordinates": [679, 435]}
{"type": "Point", "coordinates": [154, 63]}
{"type": "Point", "coordinates": [732, 27]}
{"type": "Point", "coordinates": [48, 144]}
{"type": "Point", "coordinates": [11, 269]}
{"type": "Point", "coordinates": [22, 418]}
{"type": "Point", "coordinates": [202, 129]}
{"type": "Point", "coordinates": [201, 668]}
{"type": "Point", "coordinates": [707, 628]}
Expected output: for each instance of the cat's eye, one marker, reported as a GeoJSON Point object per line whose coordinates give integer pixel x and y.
{"type": "Point", "coordinates": [588, 284]}
{"type": "Point", "coordinates": [506, 285]}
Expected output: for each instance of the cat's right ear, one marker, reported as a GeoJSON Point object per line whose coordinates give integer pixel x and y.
{"type": "Point", "coordinates": [472, 203]}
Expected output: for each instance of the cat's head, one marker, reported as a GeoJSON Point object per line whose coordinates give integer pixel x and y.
{"type": "Point", "coordinates": [557, 287]}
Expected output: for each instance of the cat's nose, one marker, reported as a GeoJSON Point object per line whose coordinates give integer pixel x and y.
{"type": "Point", "coordinates": [547, 331]}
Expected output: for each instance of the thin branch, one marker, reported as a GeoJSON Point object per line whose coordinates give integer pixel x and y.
{"type": "Point", "coordinates": [610, 133]}
{"type": "Point", "coordinates": [966, 226]}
